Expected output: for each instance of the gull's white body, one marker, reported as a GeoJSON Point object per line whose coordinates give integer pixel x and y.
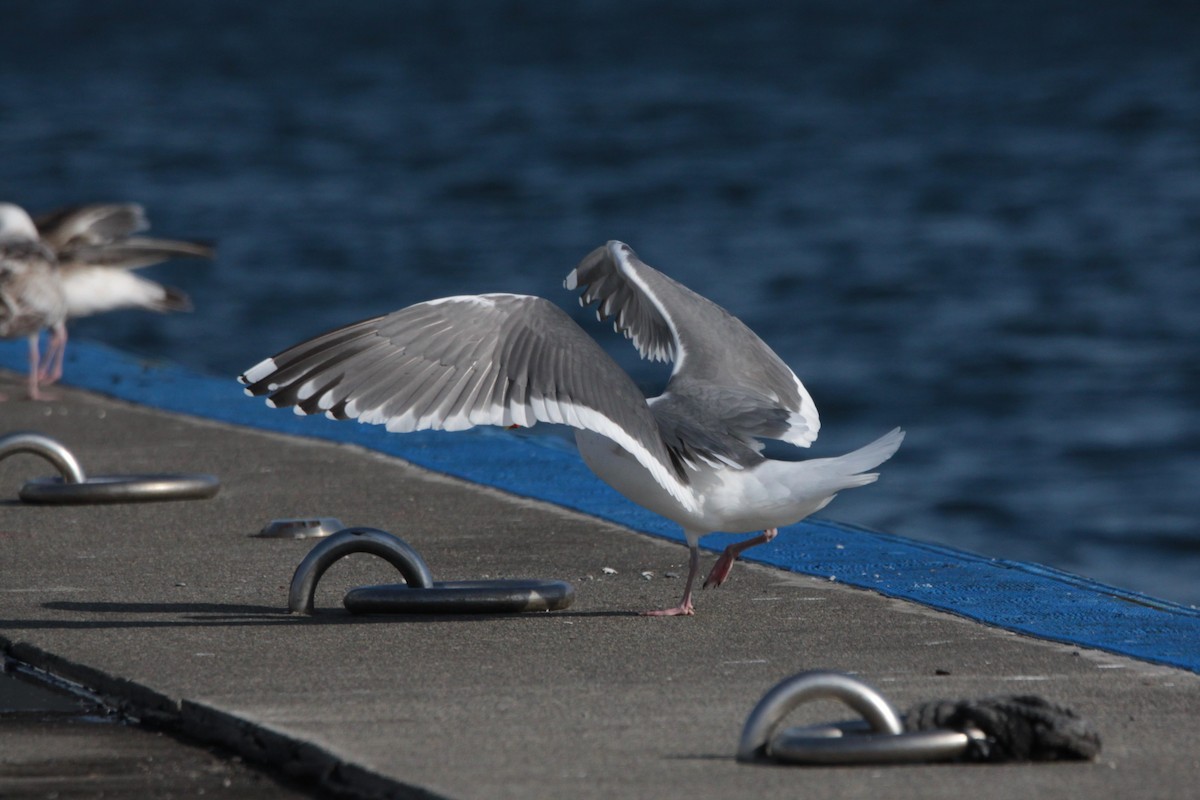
{"type": "Point", "coordinates": [693, 454]}
{"type": "Point", "coordinates": [771, 494]}
{"type": "Point", "coordinates": [95, 290]}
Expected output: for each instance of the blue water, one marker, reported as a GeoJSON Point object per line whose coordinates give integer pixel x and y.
{"type": "Point", "coordinates": [979, 221]}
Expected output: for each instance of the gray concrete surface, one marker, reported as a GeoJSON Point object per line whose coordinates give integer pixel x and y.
{"type": "Point", "coordinates": [177, 612]}
{"type": "Point", "coordinates": [55, 746]}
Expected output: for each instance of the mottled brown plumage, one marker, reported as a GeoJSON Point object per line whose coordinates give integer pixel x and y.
{"type": "Point", "coordinates": [31, 293]}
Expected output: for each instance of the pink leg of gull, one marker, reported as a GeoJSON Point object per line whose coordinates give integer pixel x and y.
{"type": "Point", "coordinates": [34, 394]}
{"type": "Point", "coordinates": [52, 369]}
{"type": "Point", "coordinates": [685, 608]}
{"type": "Point", "coordinates": [720, 570]}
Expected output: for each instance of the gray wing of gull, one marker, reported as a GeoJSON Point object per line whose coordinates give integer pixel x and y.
{"type": "Point", "coordinates": [133, 253]}
{"type": "Point", "coordinates": [90, 224]}
{"type": "Point", "coordinates": [717, 425]}
{"type": "Point", "coordinates": [458, 362]}
{"type": "Point", "coordinates": [727, 389]}
{"type": "Point", "coordinates": [101, 235]}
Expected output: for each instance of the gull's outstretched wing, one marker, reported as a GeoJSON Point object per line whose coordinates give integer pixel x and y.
{"type": "Point", "coordinates": [728, 388]}
{"type": "Point", "coordinates": [457, 362]}
{"type": "Point", "coordinates": [102, 235]}
{"type": "Point", "coordinates": [95, 223]}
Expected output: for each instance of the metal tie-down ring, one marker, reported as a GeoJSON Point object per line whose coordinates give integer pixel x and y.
{"type": "Point", "coordinates": [75, 487]}
{"type": "Point", "coordinates": [420, 594]}
{"type": "Point", "coordinates": [881, 740]}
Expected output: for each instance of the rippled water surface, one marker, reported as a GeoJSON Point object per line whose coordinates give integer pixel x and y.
{"type": "Point", "coordinates": [979, 221]}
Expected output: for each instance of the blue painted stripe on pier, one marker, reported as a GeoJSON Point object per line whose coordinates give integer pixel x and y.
{"type": "Point", "coordinates": [1022, 597]}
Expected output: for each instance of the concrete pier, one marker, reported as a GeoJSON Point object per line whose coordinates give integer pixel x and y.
{"type": "Point", "coordinates": [176, 613]}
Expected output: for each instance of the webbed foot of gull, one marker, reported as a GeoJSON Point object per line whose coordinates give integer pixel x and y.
{"type": "Point", "coordinates": [684, 609]}
{"type": "Point", "coordinates": [720, 570]}
{"type": "Point", "coordinates": [36, 393]}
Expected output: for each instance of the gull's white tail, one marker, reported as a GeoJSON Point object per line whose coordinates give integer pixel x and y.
{"type": "Point", "coordinates": [871, 455]}
{"type": "Point", "coordinates": [850, 470]}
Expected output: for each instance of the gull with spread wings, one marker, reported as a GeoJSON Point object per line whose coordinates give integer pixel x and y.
{"type": "Point", "coordinates": [693, 454]}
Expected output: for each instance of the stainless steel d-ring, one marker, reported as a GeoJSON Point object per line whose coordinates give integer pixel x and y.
{"type": "Point", "coordinates": [119, 489]}
{"type": "Point", "coordinates": [420, 594]}
{"type": "Point", "coordinates": [354, 540]}
{"type": "Point", "coordinates": [462, 597]}
{"type": "Point", "coordinates": [74, 487]}
{"type": "Point", "coordinates": [848, 744]}
{"type": "Point", "coordinates": [37, 444]}
{"type": "Point", "coordinates": [884, 741]}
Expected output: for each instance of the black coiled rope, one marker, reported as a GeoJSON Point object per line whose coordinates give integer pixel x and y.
{"type": "Point", "coordinates": [1017, 728]}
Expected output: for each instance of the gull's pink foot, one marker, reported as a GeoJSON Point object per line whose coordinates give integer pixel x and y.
{"type": "Point", "coordinates": [38, 395]}
{"type": "Point", "coordinates": [34, 389]}
{"type": "Point", "coordinates": [720, 570]}
{"type": "Point", "coordinates": [49, 376]}
{"type": "Point", "coordinates": [684, 609]}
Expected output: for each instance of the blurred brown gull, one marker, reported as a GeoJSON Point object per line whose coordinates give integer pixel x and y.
{"type": "Point", "coordinates": [97, 251]}
{"type": "Point", "coordinates": [31, 294]}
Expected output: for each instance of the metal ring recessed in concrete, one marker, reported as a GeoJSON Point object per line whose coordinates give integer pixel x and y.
{"type": "Point", "coordinates": [50, 449]}
{"type": "Point", "coordinates": [75, 487]}
{"type": "Point", "coordinates": [119, 489]}
{"type": "Point", "coordinates": [801, 746]}
{"type": "Point", "coordinates": [462, 597]}
{"type": "Point", "coordinates": [884, 742]}
{"type": "Point", "coordinates": [391, 548]}
{"type": "Point", "coordinates": [419, 594]}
